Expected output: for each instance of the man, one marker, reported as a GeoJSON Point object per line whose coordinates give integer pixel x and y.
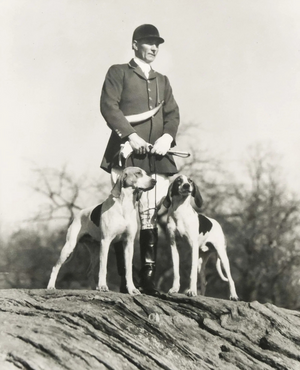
{"type": "Point", "coordinates": [131, 89]}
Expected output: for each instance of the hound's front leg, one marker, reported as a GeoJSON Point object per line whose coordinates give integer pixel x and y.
{"type": "Point", "coordinates": [176, 275]}
{"type": "Point", "coordinates": [192, 291]}
{"type": "Point", "coordinates": [128, 256]}
{"type": "Point", "coordinates": [104, 247]}
{"type": "Point", "coordinates": [175, 259]}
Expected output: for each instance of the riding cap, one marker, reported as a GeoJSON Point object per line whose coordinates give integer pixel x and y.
{"type": "Point", "coordinates": [146, 31]}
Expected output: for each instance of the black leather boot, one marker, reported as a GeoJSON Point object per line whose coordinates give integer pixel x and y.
{"type": "Point", "coordinates": [119, 251]}
{"type": "Point", "coordinates": [148, 248]}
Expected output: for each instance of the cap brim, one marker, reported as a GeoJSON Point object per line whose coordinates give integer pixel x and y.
{"type": "Point", "coordinates": [160, 39]}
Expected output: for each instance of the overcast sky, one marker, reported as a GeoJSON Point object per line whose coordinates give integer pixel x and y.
{"type": "Point", "coordinates": [233, 66]}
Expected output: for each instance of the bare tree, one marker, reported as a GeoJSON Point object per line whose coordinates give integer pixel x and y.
{"type": "Point", "coordinates": [268, 230]}
{"type": "Point", "coordinates": [63, 194]}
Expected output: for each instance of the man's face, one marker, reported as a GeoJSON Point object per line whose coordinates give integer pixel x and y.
{"type": "Point", "coordinates": [146, 49]}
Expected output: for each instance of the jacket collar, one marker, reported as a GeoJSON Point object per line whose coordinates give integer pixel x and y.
{"type": "Point", "coordinates": [132, 64]}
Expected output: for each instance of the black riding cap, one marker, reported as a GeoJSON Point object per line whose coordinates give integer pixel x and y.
{"type": "Point", "coordinates": [146, 31]}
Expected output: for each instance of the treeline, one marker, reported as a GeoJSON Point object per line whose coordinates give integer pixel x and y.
{"type": "Point", "coordinates": [259, 214]}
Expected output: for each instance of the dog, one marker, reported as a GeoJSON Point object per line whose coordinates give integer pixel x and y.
{"type": "Point", "coordinates": [203, 234]}
{"type": "Point", "coordinates": [113, 220]}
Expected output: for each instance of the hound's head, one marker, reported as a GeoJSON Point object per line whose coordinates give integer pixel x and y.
{"type": "Point", "coordinates": [183, 187]}
{"type": "Point", "coordinates": [134, 178]}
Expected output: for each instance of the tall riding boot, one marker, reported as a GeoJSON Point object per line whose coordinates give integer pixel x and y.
{"type": "Point", "coordinates": [119, 251]}
{"type": "Point", "coordinates": [148, 248]}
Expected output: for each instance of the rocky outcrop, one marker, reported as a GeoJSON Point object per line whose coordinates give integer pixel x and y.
{"type": "Point", "coordinates": [78, 330]}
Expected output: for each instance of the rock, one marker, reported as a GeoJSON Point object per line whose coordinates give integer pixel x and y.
{"type": "Point", "coordinates": [79, 330]}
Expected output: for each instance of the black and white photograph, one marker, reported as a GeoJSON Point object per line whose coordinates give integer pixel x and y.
{"type": "Point", "coordinates": [150, 184]}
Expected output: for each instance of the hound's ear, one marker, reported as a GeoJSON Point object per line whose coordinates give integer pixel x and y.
{"type": "Point", "coordinates": [139, 194]}
{"type": "Point", "coordinates": [116, 190]}
{"type": "Point", "coordinates": [197, 196]}
{"type": "Point", "coordinates": [168, 200]}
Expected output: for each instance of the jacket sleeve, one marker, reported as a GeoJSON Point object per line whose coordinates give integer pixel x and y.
{"type": "Point", "coordinates": [109, 102]}
{"type": "Point", "coordinates": [170, 112]}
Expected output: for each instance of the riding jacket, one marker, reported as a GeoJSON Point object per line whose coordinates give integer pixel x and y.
{"type": "Point", "coordinates": [127, 91]}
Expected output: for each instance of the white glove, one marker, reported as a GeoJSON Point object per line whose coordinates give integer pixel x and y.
{"type": "Point", "coordinates": [138, 144]}
{"type": "Point", "coordinates": [162, 145]}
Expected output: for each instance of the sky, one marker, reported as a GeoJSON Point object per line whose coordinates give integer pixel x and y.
{"type": "Point", "coordinates": [233, 66]}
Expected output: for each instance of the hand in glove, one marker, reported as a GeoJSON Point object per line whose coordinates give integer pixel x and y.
{"type": "Point", "coordinates": [138, 144]}
{"type": "Point", "coordinates": [162, 145]}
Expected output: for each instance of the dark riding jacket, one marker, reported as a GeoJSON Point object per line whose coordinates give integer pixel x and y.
{"type": "Point", "coordinates": [126, 91]}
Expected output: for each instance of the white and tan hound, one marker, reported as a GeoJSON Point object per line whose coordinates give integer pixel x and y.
{"type": "Point", "coordinates": [204, 235]}
{"type": "Point", "coordinates": [113, 220]}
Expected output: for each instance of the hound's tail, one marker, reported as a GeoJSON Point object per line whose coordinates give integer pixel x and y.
{"type": "Point", "coordinates": [219, 269]}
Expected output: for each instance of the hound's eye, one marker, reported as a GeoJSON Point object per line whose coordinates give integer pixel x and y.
{"type": "Point", "coordinates": [190, 181]}
{"type": "Point", "coordinates": [139, 174]}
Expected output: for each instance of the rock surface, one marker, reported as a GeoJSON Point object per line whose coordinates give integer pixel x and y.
{"type": "Point", "coordinates": [77, 330]}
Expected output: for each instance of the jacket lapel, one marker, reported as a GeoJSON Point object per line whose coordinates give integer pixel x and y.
{"type": "Point", "coordinates": [132, 64]}
{"type": "Point", "coordinates": [136, 69]}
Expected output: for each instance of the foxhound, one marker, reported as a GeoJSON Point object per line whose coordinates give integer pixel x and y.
{"type": "Point", "coordinates": [203, 234]}
{"type": "Point", "coordinates": [113, 220]}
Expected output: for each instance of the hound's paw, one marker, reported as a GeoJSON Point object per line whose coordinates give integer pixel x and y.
{"type": "Point", "coordinates": [173, 290]}
{"type": "Point", "coordinates": [134, 292]}
{"type": "Point", "coordinates": [234, 298]}
{"type": "Point", "coordinates": [191, 293]}
{"type": "Point", "coordinates": [103, 288]}
{"type": "Point", "coordinates": [51, 287]}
